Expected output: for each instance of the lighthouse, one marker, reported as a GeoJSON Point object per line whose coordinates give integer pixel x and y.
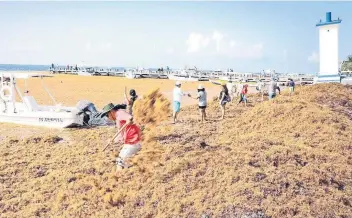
{"type": "Point", "coordinates": [328, 50]}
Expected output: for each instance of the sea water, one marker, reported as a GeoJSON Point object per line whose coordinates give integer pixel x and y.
{"type": "Point", "coordinates": [23, 67]}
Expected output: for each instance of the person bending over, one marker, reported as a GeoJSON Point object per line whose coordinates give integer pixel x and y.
{"type": "Point", "coordinates": [130, 136]}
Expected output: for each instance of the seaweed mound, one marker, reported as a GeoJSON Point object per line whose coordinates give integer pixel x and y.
{"type": "Point", "coordinates": [289, 157]}
{"type": "Point", "coordinates": [151, 109]}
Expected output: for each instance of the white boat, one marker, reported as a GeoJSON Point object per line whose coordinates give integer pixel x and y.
{"type": "Point", "coordinates": [189, 74]}
{"type": "Point", "coordinates": [224, 78]}
{"type": "Point", "coordinates": [27, 111]}
{"type": "Point", "coordinates": [131, 75]}
{"type": "Point", "coordinates": [182, 78]}
{"type": "Point", "coordinates": [83, 72]}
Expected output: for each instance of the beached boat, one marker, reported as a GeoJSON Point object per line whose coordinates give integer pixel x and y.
{"type": "Point", "coordinates": [131, 75]}
{"type": "Point", "coordinates": [117, 73]}
{"type": "Point", "coordinates": [27, 111]}
{"type": "Point", "coordinates": [189, 74]}
{"type": "Point", "coordinates": [83, 72]}
{"type": "Point", "coordinates": [182, 78]}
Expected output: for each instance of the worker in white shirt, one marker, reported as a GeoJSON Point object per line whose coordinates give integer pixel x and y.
{"type": "Point", "coordinates": [177, 99]}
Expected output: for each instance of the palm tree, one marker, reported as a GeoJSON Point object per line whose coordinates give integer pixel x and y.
{"type": "Point", "coordinates": [349, 58]}
{"type": "Point", "coordinates": [347, 64]}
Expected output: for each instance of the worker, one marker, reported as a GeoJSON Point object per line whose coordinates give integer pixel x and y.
{"type": "Point", "coordinates": [130, 135]}
{"type": "Point", "coordinates": [202, 102]}
{"type": "Point", "coordinates": [130, 101]}
{"type": "Point", "coordinates": [177, 96]}
{"type": "Point", "coordinates": [260, 87]}
{"type": "Point", "coordinates": [244, 92]}
{"type": "Point", "coordinates": [291, 85]}
{"type": "Point", "coordinates": [224, 98]}
{"type": "Point", "coordinates": [232, 90]}
{"type": "Point", "coordinates": [272, 88]}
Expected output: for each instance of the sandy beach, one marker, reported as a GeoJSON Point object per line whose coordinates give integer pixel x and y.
{"type": "Point", "coordinates": [69, 89]}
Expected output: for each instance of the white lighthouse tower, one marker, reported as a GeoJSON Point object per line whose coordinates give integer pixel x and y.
{"type": "Point", "coordinates": [328, 50]}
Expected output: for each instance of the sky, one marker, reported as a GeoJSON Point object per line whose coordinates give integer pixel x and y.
{"type": "Point", "coordinates": [244, 36]}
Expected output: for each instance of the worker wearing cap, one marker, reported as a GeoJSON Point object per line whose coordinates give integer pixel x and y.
{"type": "Point", "coordinates": [202, 101]}
{"type": "Point", "coordinates": [177, 96]}
{"type": "Point", "coordinates": [130, 134]}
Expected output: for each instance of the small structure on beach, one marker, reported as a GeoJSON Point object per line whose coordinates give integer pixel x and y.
{"type": "Point", "coordinates": [328, 50]}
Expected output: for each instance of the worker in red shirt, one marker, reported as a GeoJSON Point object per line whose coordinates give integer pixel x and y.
{"type": "Point", "coordinates": [243, 95]}
{"type": "Point", "coordinates": [130, 135]}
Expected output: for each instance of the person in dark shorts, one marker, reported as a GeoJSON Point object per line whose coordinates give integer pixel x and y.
{"type": "Point", "coordinates": [224, 98]}
{"type": "Point", "coordinates": [202, 102]}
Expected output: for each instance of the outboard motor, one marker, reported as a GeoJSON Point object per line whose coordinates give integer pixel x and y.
{"type": "Point", "coordinates": [86, 108]}
{"type": "Point", "coordinates": [91, 116]}
{"type": "Point", "coordinates": [85, 105]}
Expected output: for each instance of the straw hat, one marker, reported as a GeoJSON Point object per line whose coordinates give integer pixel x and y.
{"type": "Point", "coordinates": [109, 107]}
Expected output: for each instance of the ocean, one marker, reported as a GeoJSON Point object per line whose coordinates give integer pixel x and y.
{"type": "Point", "coordinates": [24, 67]}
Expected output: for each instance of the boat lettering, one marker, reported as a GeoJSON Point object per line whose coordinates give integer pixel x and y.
{"type": "Point", "coordinates": [59, 120]}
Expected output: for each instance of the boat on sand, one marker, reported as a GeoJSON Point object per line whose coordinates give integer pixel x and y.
{"type": "Point", "coordinates": [27, 111]}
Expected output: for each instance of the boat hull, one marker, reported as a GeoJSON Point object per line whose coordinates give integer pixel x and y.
{"type": "Point", "coordinates": [80, 73]}
{"type": "Point", "coordinates": [132, 76]}
{"type": "Point", "coordinates": [45, 119]}
{"type": "Point", "coordinates": [180, 78]}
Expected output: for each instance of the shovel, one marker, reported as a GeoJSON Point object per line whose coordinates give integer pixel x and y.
{"type": "Point", "coordinates": [113, 138]}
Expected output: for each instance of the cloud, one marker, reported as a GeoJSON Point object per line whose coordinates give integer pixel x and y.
{"type": "Point", "coordinates": [196, 42]}
{"type": "Point", "coordinates": [232, 43]}
{"type": "Point", "coordinates": [105, 46]}
{"type": "Point", "coordinates": [27, 46]}
{"type": "Point", "coordinates": [170, 50]}
{"type": "Point", "coordinates": [314, 57]}
{"type": "Point", "coordinates": [246, 51]}
{"type": "Point", "coordinates": [98, 47]}
{"type": "Point", "coordinates": [88, 46]}
{"type": "Point", "coordinates": [223, 46]}
{"type": "Point", "coordinates": [217, 37]}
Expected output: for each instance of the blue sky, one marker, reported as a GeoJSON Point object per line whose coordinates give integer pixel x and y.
{"type": "Point", "coordinates": [245, 36]}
